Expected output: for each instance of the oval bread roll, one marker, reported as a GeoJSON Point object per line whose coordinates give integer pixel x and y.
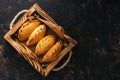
{"type": "Point", "coordinates": [52, 52]}
{"type": "Point", "coordinates": [44, 44]}
{"type": "Point", "coordinates": [36, 35]}
{"type": "Point", "coordinates": [27, 28]}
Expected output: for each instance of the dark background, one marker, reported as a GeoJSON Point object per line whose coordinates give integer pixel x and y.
{"type": "Point", "coordinates": [95, 24]}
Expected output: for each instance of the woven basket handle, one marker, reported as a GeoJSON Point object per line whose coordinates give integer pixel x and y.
{"type": "Point", "coordinates": [14, 19]}
{"type": "Point", "coordinates": [64, 64]}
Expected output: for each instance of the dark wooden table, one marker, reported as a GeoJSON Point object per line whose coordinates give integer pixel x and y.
{"type": "Point", "coordinates": [95, 24]}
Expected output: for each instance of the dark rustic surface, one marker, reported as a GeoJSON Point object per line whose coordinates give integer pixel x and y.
{"type": "Point", "coordinates": [95, 24]}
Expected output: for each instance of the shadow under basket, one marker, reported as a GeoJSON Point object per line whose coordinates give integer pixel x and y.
{"type": "Point", "coordinates": [28, 52]}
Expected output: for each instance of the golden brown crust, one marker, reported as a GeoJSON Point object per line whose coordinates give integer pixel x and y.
{"type": "Point", "coordinates": [36, 35]}
{"type": "Point", "coordinates": [44, 44]}
{"type": "Point", "coordinates": [52, 52]}
{"type": "Point", "coordinates": [27, 28]}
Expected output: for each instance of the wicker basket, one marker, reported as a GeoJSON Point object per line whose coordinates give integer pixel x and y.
{"type": "Point", "coordinates": [26, 52]}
